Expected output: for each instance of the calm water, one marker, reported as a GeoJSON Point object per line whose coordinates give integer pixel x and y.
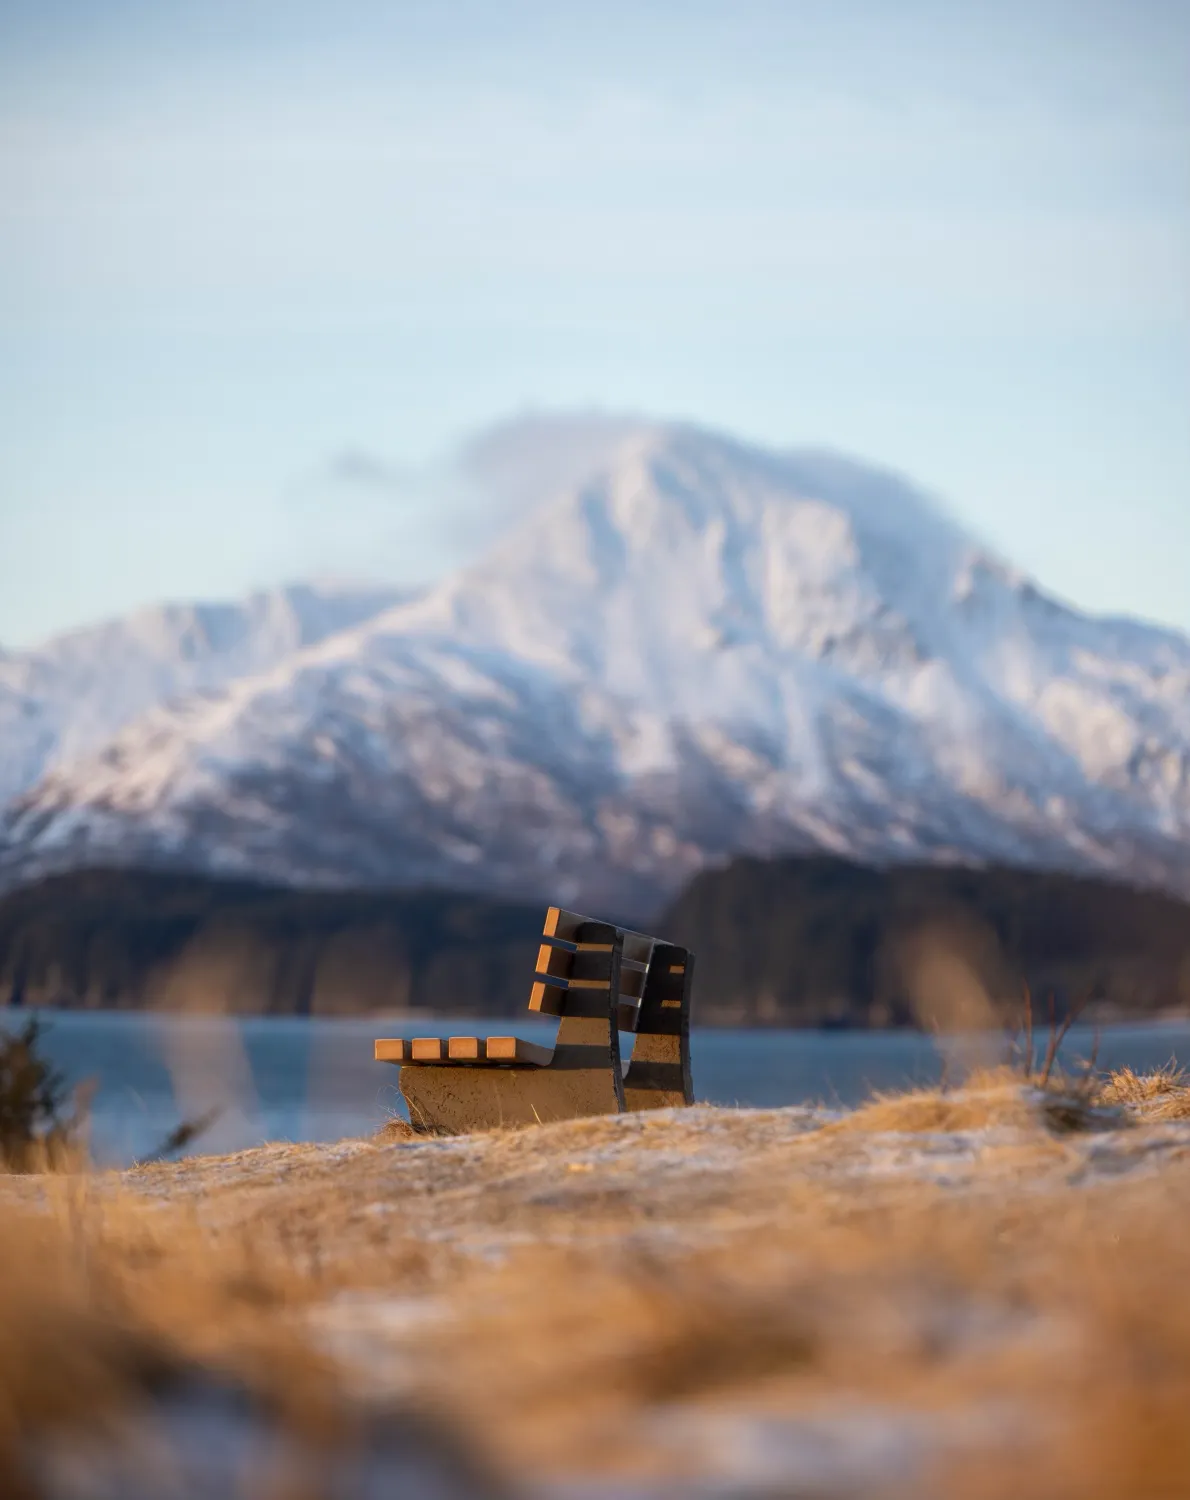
{"type": "Point", "coordinates": [300, 1079]}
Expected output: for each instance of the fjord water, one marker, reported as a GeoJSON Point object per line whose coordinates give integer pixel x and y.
{"type": "Point", "coordinates": [301, 1079]}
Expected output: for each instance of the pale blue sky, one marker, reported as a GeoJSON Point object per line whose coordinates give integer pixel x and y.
{"type": "Point", "coordinates": [237, 239]}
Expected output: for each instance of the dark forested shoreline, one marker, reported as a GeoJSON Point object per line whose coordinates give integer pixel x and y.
{"type": "Point", "coordinates": [823, 942]}
{"type": "Point", "coordinates": [789, 942]}
{"type": "Point", "coordinates": [127, 939]}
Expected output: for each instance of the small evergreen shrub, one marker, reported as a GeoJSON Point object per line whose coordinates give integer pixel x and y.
{"type": "Point", "coordinates": [37, 1120]}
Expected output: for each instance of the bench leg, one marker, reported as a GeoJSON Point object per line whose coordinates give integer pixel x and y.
{"type": "Point", "coordinates": [658, 1075]}
{"type": "Point", "coordinates": [582, 1079]}
{"type": "Point", "coordinates": [456, 1100]}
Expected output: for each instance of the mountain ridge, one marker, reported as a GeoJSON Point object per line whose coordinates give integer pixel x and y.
{"type": "Point", "coordinates": [77, 689]}
{"type": "Point", "coordinates": [694, 649]}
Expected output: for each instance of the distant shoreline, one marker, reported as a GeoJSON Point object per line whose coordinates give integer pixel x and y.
{"type": "Point", "coordinates": [433, 1022]}
{"type": "Point", "coordinates": [812, 943]}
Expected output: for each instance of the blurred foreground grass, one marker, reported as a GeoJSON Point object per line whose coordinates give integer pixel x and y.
{"type": "Point", "coordinates": [979, 1292]}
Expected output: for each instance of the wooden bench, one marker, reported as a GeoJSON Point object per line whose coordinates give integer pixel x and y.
{"type": "Point", "coordinates": [599, 979]}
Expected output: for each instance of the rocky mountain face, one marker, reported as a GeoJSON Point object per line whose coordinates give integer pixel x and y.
{"type": "Point", "coordinates": [689, 649]}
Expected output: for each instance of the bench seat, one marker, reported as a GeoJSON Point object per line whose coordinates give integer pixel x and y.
{"type": "Point", "coordinates": [463, 1051]}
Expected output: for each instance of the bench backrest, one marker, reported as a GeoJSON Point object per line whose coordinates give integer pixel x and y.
{"type": "Point", "coordinates": [574, 975]}
{"type": "Point", "coordinates": [664, 1007]}
{"type": "Point", "coordinates": [575, 966]}
{"type": "Point", "coordinates": [601, 979]}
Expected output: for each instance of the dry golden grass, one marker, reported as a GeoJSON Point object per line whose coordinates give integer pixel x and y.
{"type": "Point", "coordinates": [997, 1098]}
{"type": "Point", "coordinates": [991, 1099]}
{"type": "Point", "coordinates": [395, 1130]}
{"type": "Point", "coordinates": [97, 1315]}
{"type": "Point", "coordinates": [1164, 1095]}
{"type": "Point", "coordinates": [128, 1332]}
{"type": "Point", "coordinates": [1049, 1322]}
{"type": "Point", "coordinates": [915, 1303]}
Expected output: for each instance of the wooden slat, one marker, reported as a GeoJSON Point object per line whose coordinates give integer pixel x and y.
{"type": "Point", "coordinates": [552, 959]}
{"type": "Point", "coordinates": [544, 997]}
{"type": "Point", "coordinates": [632, 984]}
{"type": "Point", "coordinates": [628, 1015]}
{"type": "Point", "coordinates": [516, 1049]}
{"type": "Point", "coordinates": [557, 962]}
{"type": "Point", "coordinates": [638, 949]}
{"type": "Point", "coordinates": [560, 923]}
{"type": "Point", "coordinates": [563, 926]}
{"type": "Point", "coordinates": [462, 1049]}
{"type": "Point", "coordinates": [592, 960]}
{"type": "Point", "coordinates": [554, 1000]}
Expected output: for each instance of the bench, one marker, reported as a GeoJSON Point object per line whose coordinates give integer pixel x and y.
{"type": "Point", "coordinates": [599, 980]}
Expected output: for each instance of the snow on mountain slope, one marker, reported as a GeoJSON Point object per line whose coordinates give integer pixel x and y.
{"type": "Point", "coordinates": [694, 648]}
{"type": "Point", "coordinates": [68, 697]}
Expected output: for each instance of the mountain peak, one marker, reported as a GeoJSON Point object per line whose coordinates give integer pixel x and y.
{"type": "Point", "coordinates": [539, 456]}
{"type": "Point", "coordinates": [688, 647]}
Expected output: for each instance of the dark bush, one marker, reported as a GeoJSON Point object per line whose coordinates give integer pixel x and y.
{"type": "Point", "coordinates": [36, 1124]}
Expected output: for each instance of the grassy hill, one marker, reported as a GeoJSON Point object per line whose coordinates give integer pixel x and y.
{"type": "Point", "coordinates": [975, 1293]}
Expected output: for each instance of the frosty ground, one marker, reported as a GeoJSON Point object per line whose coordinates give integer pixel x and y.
{"type": "Point", "coordinates": [970, 1293]}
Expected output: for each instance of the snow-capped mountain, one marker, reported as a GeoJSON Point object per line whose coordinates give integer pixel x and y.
{"type": "Point", "coordinates": [692, 648]}
{"type": "Point", "coordinates": [67, 698]}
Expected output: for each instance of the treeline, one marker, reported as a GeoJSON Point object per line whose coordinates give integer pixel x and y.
{"type": "Point", "coordinates": [823, 942]}
{"type": "Point", "coordinates": [121, 939]}
{"type": "Point", "coordinates": [791, 942]}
